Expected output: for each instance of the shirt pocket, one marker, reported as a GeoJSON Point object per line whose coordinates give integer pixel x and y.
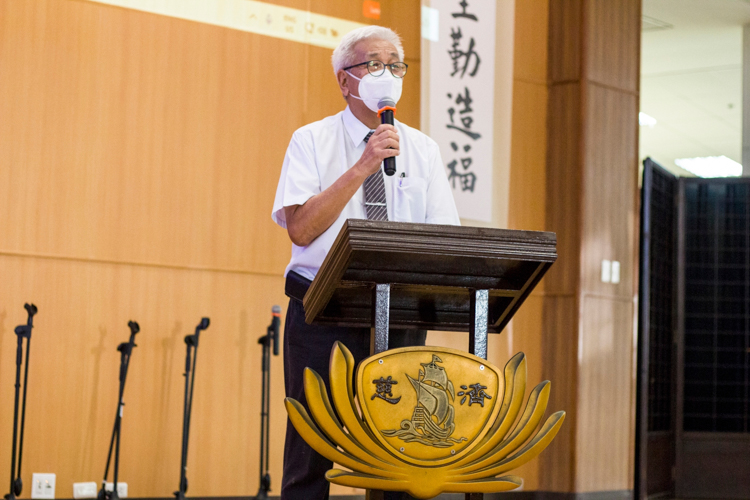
{"type": "Point", "coordinates": [410, 200]}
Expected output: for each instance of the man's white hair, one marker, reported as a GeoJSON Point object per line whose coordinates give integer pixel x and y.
{"type": "Point", "coordinates": [344, 55]}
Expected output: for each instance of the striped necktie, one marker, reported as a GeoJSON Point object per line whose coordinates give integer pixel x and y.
{"type": "Point", "coordinates": [375, 205]}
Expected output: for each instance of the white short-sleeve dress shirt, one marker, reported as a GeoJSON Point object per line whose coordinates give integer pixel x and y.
{"type": "Point", "coordinates": [319, 153]}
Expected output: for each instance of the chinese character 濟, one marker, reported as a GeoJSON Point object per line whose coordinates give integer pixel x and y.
{"type": "Point", "coordinates": [457, 54]}
{"type": "Point", "coordinates": [385, 386]}
{"type": "Point", "coordinates": [475, 395]}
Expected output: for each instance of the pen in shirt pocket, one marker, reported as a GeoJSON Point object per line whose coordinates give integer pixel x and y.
{"type": "Point", "coordinates": [401, 179]}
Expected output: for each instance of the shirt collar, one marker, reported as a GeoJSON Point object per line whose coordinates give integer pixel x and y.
{"type": "Point", "coordinates": [355, 128]}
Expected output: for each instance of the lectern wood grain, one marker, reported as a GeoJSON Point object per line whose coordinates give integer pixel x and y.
{"type": "Point", "coordinates": [431, 269]}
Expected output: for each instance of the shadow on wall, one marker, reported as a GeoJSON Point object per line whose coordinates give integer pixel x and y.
{"type": "Point", "coordinates": [3, 315]}
{"type": "Point", "coordinates": [243, 345]}
{"type": "Point", "coordinates": [87, 456]}
{"type": "Point", "coordinates": [168, 346]}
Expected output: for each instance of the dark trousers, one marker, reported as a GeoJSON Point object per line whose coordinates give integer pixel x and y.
{"type": "Point", "coordinates": [310, 346]}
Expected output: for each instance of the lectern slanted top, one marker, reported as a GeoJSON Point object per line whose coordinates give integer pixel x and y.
{"type": "Point", "coordinates": [432, 271]}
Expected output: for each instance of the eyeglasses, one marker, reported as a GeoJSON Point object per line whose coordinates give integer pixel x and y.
{"type": "Point", "coordinates": [377, 68]}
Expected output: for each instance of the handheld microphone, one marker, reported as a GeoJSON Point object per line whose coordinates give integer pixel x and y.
{"type": "Point", "coordinates": [275, 322]}
{"type": "Point", "coordinates": [386, 108]}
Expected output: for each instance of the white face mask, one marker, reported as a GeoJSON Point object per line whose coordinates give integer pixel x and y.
{"type": "Point", "coordinates": [373, 88]}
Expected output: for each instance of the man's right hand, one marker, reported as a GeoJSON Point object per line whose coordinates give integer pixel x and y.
{"type": "Point", "coordinates": [383, 144]}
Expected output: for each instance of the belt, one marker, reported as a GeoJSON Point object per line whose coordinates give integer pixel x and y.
{"type": "Point", "coordinates": [296, 286]}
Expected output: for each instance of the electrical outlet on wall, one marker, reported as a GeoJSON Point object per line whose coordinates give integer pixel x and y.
{"type": "Point", "coordinates": [122, 489]}
{"type": "Point", "coordinates": [615, 272]}
{"type": "Point", "coordinates": [43, 486]}
{"type": "Point", "coordinates": [606, 271]}
{"type": "Point", "coordinates": [85, 490]}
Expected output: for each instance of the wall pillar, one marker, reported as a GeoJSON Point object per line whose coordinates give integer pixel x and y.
{"type": "Point", "coordinates": [585, 337]}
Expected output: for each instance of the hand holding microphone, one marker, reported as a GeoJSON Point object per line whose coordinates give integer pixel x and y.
{"type": "Point", "coordinates": [383, 145]}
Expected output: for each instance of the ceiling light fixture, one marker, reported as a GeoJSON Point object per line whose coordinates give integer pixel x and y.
{"type": "Point", "coordinates": [710, 166]}
{"type": "Point", "coordinates": [646, 120]}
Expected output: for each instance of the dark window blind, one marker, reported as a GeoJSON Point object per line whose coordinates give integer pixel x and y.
{"type": "Point", "coordinates": [717, 316]}
{"type": "Point", "coordinates": [661, 308]}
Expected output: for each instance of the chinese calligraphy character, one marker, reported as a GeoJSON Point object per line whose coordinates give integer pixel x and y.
{"type": "Point", "coordinates": [463, 13]}
{"type": "Point", "coordinates": [467, 180]}
{"type": "Point", "coordinates": [382, 387]}
{"type": "Point", "coordinates": [475, 395]}
{"type": "Point", "coordinates": [466, 120]}
{"type": "Point", "coordinates": [468, 56]}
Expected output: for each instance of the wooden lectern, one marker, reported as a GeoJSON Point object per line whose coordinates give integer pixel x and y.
{"type": "Point", "coordinates": [395, 275]}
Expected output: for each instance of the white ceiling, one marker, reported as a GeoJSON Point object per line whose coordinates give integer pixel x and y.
{"type": "Point", "coordinates": [691, 79]}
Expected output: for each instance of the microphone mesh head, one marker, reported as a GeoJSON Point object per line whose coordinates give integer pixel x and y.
{"type": "Point", "coordinates": [276, 309]}
{"type": "Point", "coordinates": [386, 101]}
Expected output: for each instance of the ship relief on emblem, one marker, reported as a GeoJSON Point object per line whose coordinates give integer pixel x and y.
{"type": "Point", "coordinates": [432, 421]}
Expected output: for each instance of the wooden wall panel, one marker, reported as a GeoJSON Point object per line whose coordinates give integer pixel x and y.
{"type": "Point", "coordinates": [528, 157]}
{"type": "Point", "coordinates": [164, 122]}
{"type": "Point", "coordinates": [527, 208]}
{"type": "Point", "coordinates": [524, 331]}
{"type": "Point", "coordinates": [605, 389]}
{"type": "Point", "coordinates": [560, 316]}
{"type": "Point", "coordinates": [586, 182]}
{"type": "Point", "coordinates": [530, 45]}
{"type": "Point", "coordinates": [613, 42]}
{"type": "Point", "coordinates": [563, 183]}
{"type": "Point", "coordinates": [610, 180]}
{"type": "Point", "coordinates": [84, 308]}
{"type": "Point", "coordinates": [565, 40]}
{"type": "Point", "coordinates": [125, 143]}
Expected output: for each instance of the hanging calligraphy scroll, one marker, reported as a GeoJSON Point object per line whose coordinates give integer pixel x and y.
{"type": "Point", "coordinates": [461, 98]}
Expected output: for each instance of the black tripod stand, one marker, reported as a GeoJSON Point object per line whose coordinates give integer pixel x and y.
{"type": "Point", "coordinates": [192, 345]}
{"type": "Point", "coordinates": [23, 332]}
{"type": "Point", "coordinates": [271, 337]}
{"type": "Point", "coordinates": [126, 349]}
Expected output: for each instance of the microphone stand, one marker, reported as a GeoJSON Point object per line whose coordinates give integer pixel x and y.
{"type": "Point", "coordinates": [23, 332]}
{"type": "Point", "coordinates": [126, 349]}
{"type": "Point", "coordinates": [270, 338]}
{"type": "Point", "coordinates": [191, 341]}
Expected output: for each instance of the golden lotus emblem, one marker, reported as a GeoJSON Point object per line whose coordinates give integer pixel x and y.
{"type": "Point", "coordinates": [426, 420]}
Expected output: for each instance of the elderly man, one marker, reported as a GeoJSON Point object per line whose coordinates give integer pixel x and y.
{"type": "Point", "coordinates": [332, 172]}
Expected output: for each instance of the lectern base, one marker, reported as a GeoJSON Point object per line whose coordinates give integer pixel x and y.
{"type": "Point", "coordinates": [309, 346]}
{"type": "Point", "coordinates": [381, 300]}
